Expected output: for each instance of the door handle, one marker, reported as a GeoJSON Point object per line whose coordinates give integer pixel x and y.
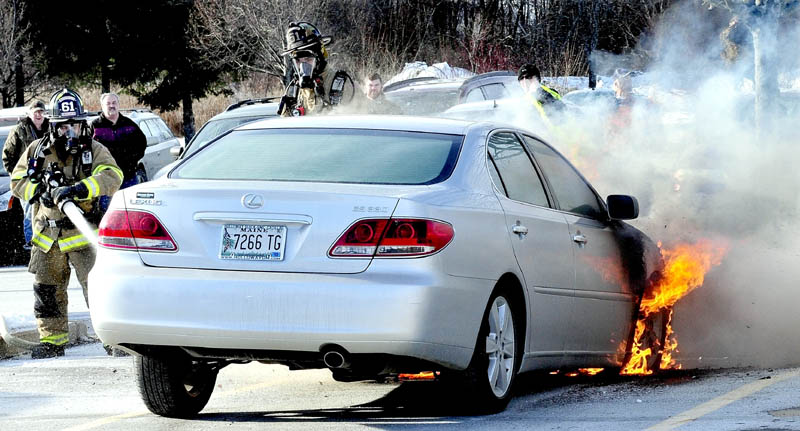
{"type": "Point", "coordinates": [580, 239]}
{"type": "Point", "coordinates": [519, 229]}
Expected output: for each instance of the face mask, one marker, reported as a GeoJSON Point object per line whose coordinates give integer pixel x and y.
{"type": "Point", "coordinates": [305, 70]}
{"type": "Point", "coordinates": [73, 144]}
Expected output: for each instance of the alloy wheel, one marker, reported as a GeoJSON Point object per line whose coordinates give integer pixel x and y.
{"type": "Point", "coordinates": [500, 349]}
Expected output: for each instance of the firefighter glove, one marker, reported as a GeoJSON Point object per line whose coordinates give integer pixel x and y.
{"type": "Point", "coordinates": [46, 199]}
{"type": "Point", "coordinates": [34, 171]}
{"type": "Point", "coordinates": [64, 193]}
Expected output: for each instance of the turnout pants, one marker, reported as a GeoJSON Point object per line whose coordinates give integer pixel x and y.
{"type": "Point", "coordinates": [52, 271]}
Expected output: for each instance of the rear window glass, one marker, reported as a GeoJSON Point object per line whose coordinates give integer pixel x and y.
{"type": "Point", "coordinates": [326, 155]}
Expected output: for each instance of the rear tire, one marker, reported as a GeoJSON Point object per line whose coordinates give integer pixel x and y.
{"type": "Point", "coordinates": [174, 387]}
{"type": "Point", "coordinates": [490, 376]}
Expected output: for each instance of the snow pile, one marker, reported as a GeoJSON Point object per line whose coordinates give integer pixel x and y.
{"type": "Point", "coordinates": [18, 321]}
{"type": "Point", "coordinates": [420, 69]}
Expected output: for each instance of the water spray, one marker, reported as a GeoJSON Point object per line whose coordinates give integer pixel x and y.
{"type": "Point", "coordinates": [75, 215]}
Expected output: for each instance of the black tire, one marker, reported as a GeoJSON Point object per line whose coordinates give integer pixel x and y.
{"type": "Point", "coordinates": [489, 378]}
{"type": "Point", "coordinates": [174, 387]}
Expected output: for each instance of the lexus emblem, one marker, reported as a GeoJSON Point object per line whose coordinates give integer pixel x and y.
{"type": "Point", "coordinates": [253, 201]}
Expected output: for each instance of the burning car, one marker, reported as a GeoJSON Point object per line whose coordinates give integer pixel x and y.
{"type": "Point", "coordinates": [373, 246]}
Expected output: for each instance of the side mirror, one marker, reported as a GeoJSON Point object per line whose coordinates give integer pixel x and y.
{"type": "Point", "coordinates": [622, 207]}
{"type": "Point", "coordinates": [176, 151]}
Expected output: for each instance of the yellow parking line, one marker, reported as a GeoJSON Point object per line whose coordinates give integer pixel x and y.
{"type": "Point", "coordinates": [111, 419]}
{"type": "Point", "coordinates": [721, 401]}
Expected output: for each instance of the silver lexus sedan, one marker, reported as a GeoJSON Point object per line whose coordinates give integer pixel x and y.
{"type": "Point", "coordinates": [371, 246]}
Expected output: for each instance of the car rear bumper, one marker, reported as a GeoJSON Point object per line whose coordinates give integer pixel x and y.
{"type": "Point", "coordinates": [396, 307]}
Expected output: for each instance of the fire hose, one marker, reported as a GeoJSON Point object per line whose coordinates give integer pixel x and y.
{"type": "Point", "coordinates": [75, 215]}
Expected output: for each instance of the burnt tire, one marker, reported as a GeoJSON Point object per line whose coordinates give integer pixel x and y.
{"type": "Point", "coordinates": [174, 387]}
{"type": "Point", "coordinates": [489, 379]}
{"type": "Point", "coordinates": [654, 338]}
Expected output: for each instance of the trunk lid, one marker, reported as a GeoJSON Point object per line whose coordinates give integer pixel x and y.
{"type": "Point", "coordinates": [307, 217]}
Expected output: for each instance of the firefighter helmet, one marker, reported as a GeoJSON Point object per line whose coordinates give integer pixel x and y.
{"type": "Point", "coordinates": [304, 36]}
{"type": "Point", "coordinates": [66, 106]}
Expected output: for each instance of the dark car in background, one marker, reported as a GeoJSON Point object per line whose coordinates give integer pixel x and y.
{"type": "Point", "coordinates": [423, 96]}
{"type": "Point", "coordinates": [11, 236]}
{"type": "Point", "coordinates": [428, 95]}
{"type": "Point", "coordinates": [490, 86]}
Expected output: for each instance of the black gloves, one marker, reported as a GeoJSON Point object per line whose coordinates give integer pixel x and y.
{"type": "Point", "coordinates": [78, 190]}
{"type": "Point", "coordinates": [35, 170]}
{"type": "Point", "coordinates": [47, 200]}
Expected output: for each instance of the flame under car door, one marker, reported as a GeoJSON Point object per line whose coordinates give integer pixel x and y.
{"type": "Point", "coordinates": [604, 301]}
{"type": "Point", "coordinates": [540, 239]}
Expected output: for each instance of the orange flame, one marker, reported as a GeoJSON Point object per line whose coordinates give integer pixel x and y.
{"type": "Point", "coordinates": [685, 267]}
{"type": "Point", "coordinates": [424, 375]}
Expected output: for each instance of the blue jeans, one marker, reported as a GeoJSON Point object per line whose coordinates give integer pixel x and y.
{"type": "Point", "coordinates": [105, 200]}
{"type": "Point", "coordinates": [27, 219]}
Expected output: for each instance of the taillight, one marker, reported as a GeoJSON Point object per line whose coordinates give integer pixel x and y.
{"type": "Point", "coordinates": [360, 240]}
{"type": "Point", "coordinates": [134, 230]}
{"type": "Point", "coordinates": [393, 238]}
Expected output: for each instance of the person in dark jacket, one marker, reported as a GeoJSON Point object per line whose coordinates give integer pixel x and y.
{"type": "Point", "coordinates": [376, 102]}
{"type": "Point", "coordinates": [123, 138]}
{"type": "Point", "coordinates": [29, 129]}
{"type": "Point", "coordinates": [543, 98]}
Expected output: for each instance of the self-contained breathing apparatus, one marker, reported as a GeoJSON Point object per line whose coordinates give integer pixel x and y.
{"type": "Point", "coordinates": [64, 141]}
{"type": "Point", "coordinates": [52, 176]}
{"type": "Point", "coordinates": [307, 54]}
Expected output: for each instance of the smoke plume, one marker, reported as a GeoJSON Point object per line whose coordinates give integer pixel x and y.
{"type": "Point", "coordinates": [692, 155]}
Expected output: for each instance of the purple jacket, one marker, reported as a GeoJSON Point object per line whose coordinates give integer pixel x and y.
{"type": "Point", "coordinates": [125, 140]}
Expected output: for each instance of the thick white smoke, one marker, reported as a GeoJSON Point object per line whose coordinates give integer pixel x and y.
{"type": "Point", "coordinates": [693, 157]}
{"type": "Point", "coordinates": [690, 152]}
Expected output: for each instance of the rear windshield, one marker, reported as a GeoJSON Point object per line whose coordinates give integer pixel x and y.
{"type": "Point", "coordinates": [326, 155]}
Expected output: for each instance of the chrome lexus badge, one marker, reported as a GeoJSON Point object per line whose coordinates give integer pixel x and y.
{"type": "Point", "coordinates": [253, 201]}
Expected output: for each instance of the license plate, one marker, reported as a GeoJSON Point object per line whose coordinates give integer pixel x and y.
{"type": "Point", "coordinates": [252, 242]}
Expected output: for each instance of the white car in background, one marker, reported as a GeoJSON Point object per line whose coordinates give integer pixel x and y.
{"type": "Point", "coordinates": [371, 246]}
{"type": "Point", "coordinates": [236, 114]}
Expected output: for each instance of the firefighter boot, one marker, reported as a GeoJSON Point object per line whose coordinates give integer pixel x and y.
{"type": "Point", "coordinates": [46, 350]}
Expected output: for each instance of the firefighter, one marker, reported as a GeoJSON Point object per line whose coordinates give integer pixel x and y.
{"type": "Point", "coordinates": [66, 165]}
{"type": "Point", "coordinates": [544, 99]}
{"type": "Point", "coordinates": [311, 88]}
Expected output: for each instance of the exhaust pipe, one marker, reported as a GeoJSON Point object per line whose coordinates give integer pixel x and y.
{"type": "Point", "coordinates": [336, 359]}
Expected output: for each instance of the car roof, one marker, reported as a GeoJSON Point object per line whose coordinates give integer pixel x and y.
{"type": "Point", "coordinates": [135, 113]}
{"type": "Point", "coordinates": [248, 108]}
{"type": "Point", "coordinates": [424, 84]}
{"type": "Point", "coordinates": [377, 122]}
{"type": "Point", "coordinates": [10, 116]}
{"type": "Point", "coordinates": [496, 76]}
